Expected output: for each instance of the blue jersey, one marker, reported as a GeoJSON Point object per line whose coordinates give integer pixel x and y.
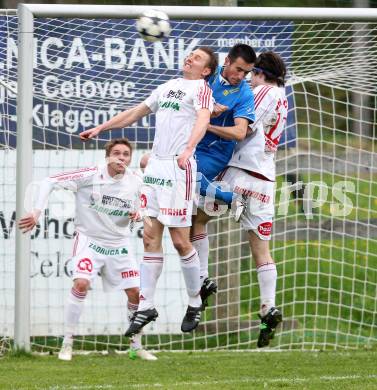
{"type": "Point", "coordinates": [213, 152]}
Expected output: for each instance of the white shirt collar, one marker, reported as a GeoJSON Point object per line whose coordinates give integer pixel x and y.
{"type": "Point", "coordinates": [223, 81]}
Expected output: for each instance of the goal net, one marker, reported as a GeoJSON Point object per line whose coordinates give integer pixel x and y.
{"type": "Point", "coordinates": [325, 230]}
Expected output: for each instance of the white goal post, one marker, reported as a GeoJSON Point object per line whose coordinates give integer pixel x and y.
{"type": "Point", "coordinates": [318, 82]}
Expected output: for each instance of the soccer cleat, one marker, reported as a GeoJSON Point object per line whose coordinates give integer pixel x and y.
{"type": "Point", "coordinates": [139, 320]}
{"type": "Point", "coordinates": [191, 319]}
{"type": "Point", "coordinates": [141, 354]}
{"type": "Point", "coordinates": [269, 322]}
{"type": "Point", "coordinates": [65, 352]}
{"type": "Point", "coordinates": [208, 288]}
{"type": "Point", "coordinates": [240, 207]}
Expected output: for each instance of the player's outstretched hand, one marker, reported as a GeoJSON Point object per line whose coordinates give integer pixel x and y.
{"type": "Point", "coordinates": [218, 109]}
{"type": "Point", "coordinates": [88, 134]}
{"type": "Point", "coordinates": [27, 223]}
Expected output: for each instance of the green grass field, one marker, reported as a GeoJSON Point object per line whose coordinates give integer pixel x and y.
{"type": "Point", "coordinates": [211, 370]}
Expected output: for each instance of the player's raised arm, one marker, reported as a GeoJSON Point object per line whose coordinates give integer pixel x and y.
{"type": "Point", "coordinates": [68, 180]}
{"type": "Point", "coordinates": [29, 221]}
{"type": "Point", "coordinates": [236, 132]}
{"type": "Point", "coordinates": [198, 131]}
{"type": "Point", "coordinates": [119, 121]}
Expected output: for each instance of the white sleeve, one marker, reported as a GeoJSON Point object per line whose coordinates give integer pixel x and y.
{"type": "Point", "coordinates": [71, 181]}
{"type": "Point", "coordinates": [203, 97]}
{"type": "Point", "coordinates": [152, 100]}
{"type": "Point", "coordinates": [265, 111]}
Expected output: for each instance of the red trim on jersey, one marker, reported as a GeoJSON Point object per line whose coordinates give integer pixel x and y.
{"type": "Point", "coordinates": [73, 172]}
{"type": "Point", "coordinates": [205, 96]}
{"type": "Point", "coordinates": [188, 180]}
{"type": "Point", "coordinates": [200, 94]}
{"type": "Point", "coordinates": [260, 95]}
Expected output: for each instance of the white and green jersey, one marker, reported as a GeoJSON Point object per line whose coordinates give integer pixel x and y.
{"type": "Point", "coordinates": [103, 203]}
{"type": "Point", "coordinates": [175, 104]}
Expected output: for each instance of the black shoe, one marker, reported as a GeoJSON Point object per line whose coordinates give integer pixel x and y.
{"type": "Point", "coordinates": [269, 322]}
{"type": "Point", "coordinates": [139, 320]}
{"type": "Point", "coordinates": [191, 319]}
{"type": "Point", "coordinates": [208, 288]}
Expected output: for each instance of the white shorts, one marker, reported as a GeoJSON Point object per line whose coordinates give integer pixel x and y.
{"type": "Point", "coordinates": [260, 205]}
{"type": "Point", "coordinates": [168, 191]}
{"type": "Point", "coordinates": [118, 269]}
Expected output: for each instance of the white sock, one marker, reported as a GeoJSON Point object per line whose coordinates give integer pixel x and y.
{"type": "Point", "coordinates": [267, 276]}
{"type": "Point", "coordinates": [73, 310]}
{"type": "Point", "coordinates": [191, 272]}
{"type": "Point", "coordinates": [201, 243]}
{"type": "Point", "coordinates": [150, 271]}
{"type": "Point", "coordinates": [135, 340]}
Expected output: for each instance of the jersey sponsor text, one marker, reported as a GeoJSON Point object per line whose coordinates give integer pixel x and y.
{"type": "Point", "coordinates": [108, 251]}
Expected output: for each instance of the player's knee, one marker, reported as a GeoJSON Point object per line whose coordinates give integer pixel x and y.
{"type": "Point", "coordinates": [261, 255]}
{"type": "Point", "coordinates": [151, 244]}
{"type": "Point", "coordinates": [81, 285]}
{"type": "Point", "coordinates": [182, 246]}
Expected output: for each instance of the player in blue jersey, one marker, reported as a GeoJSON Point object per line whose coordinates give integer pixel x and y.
{"type": "Point", "coordinates": [235, 103]}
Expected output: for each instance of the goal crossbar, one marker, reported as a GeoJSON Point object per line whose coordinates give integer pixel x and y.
{"type": "Point", "coordinates": [189, 12]}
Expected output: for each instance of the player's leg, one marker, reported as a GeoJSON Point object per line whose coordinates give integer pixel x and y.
{"type": "Point", "coordinates": [266, 269]}
{"type": "Point", "coordinates": [190, 266]}
{"type": "Point", "coordinates": [152, 263]}
{"type": "Point", "coordinates": [150, 271]}
{"type": "Point", "coordinates": [257, 220]}
{"type": "Point", "coordinates": [85, 268]}
{"type": "Point", "coordinates": [199, 236]}
{"type": "Point", "coordinates": [73, 310]}
{"type": "Point", "coordinates": [120, 271]}
{"type": "Point", "coordinates": [136, 346]}
{"type": "Point", "coordinates": [267, 276]}
{"type": "Point", "coordinates": [199, 239]}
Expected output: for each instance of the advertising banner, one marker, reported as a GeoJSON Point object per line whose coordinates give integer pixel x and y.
{"type": "Point", "coordinates": [86, 71]}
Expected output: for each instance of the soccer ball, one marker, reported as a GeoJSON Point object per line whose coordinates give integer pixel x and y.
{"type": "Point", "coordinates": [153, 25]}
